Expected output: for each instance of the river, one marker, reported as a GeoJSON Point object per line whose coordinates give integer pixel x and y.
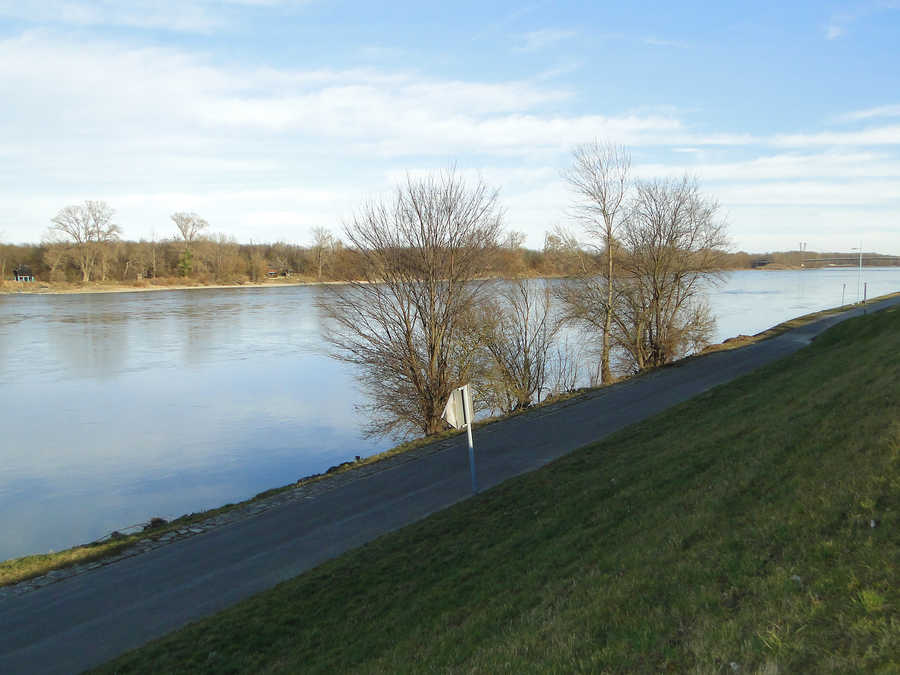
{"type": "Point", "coordinates": [119, 407]}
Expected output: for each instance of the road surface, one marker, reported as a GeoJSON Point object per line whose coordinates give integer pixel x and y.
{"type": "Point", "coordinates": [85, 620]}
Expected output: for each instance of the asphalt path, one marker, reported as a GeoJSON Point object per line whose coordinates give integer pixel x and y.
{"type": "Point", "coordinates": [85, 620]}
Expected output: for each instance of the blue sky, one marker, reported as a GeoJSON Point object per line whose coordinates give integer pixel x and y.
{"type": "Point", "coordinates": [269, 117]}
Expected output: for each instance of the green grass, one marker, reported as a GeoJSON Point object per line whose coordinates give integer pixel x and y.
{"type": "Point", "coordinates": [734, 528]}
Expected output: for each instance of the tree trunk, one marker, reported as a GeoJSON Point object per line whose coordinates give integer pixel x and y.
{"type": "Point", "coordinates": [606, 375]}
{"type": "Point", "coordinates": [434, 425]}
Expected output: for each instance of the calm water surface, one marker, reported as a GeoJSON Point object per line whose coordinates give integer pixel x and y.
{"type": "Point", "coordinates": [119, 407]}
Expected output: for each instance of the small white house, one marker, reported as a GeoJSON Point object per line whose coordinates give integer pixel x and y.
{"type": "Point", "coordinates": [23, 274]}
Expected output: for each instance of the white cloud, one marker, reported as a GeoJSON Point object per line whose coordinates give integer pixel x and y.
{"type": "Point", "coordinates": [770, 201]}
{"type": "Point", "coordinates": [870, 113]}
{"type": "Point", "coordinates": [557, 71]}
{"type": "Point", "coordinates": [199, 16]}
{"type": "Point", "coordinates": [540, 39]}
{"type": "Point", "coordinates": [142, 99]}
{"type": "Point", "coordinates": [841, 21]}
{"type": "Point", "coordinates": [658, 42]}
{"type": "Point", "coordinates": [792, 166]}
{"type": "Point", "coordinates": [884, 135]}
{"type": "Point", "coordinates": [266, 152]}
{"type": "Point", "coordinates": [182, 16]}
{"type": "Point", "coordinates": [813, 193]}
{"type": "Point", "coordinates": [775, 227]}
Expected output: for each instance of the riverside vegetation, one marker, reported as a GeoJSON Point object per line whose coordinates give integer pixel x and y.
{"type": "Point", "coordinates": [220, 260]}
{"type": "Point", "coordinates": [752, 529]}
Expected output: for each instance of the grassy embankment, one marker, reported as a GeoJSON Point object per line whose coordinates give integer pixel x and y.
{"type": "Point", "coordinates": [756, 525]}
{"type": "Point", "coordinates": [20, 569]}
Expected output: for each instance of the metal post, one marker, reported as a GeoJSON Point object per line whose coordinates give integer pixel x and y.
{"type": "Point", "coordinates": [865, 291]}
{"type": "Point", "coordinates": [843, 292]}
{"type": "Point", "coordinates": [859, 273]}
{"type": "Point", "coordinates": [467, 411]}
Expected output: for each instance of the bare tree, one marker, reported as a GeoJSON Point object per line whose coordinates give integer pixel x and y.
{"type": "Point", "coordinates": [189, 225]}
{"type": "Point", "coordinates": [224, 256]}
{"type": "Point", "coordinates": [257, 265]}
{"type": "Point", "coordinates": [90, 228]}
{"type": "Point", "coordinates": [563, 370]}
{"type": "Point", "coordinates": [510, 257]}
{"type": "Point", "coordinates": [517, 334]}
{"type": "Point", "coordinates": [513, 240]}
{"type": "Point", "coordinates": [322, 248]}
{"type": "Point", "coordinates": [279, 256]}
{"type": "Point", "coordinates": [562, 253]}
{"type": "Point", "coordinates": [584, 301]}
{"type": "Point", "coordinates": [421, 256]}
{"type": "Point", "coordinates": [584, 297]}
{"type": "Point", "coordinates": [153, 256]}
{"type": "Point", "coordinates": [4, 260]}
{"type": "Point", "coordinates": [673, 245]}
{"type": "Point", "coordinates": [599, 177]}
{"type": "Point", "coordinates": [55, 255]}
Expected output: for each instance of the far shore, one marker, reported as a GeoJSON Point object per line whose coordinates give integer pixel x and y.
{"type": "Point", "coordinates": [72, 288]}
{"type": "Point", "coordinates": [66, 288]}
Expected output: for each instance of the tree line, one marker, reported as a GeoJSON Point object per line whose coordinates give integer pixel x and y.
{"type": "Point", "coordinates": [423, 316]}
{"type": "Point", "coordinates": [84, 244]}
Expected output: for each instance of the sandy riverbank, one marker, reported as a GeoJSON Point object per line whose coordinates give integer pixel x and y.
{"type": "Point", "coordinates": [71, 288]}
{"type": "Point", "coordinates": [54, 288]}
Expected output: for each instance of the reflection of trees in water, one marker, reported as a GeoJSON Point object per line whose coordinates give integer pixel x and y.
{"type": "Point", "coordinates": [90, 344]}
{"type": "Point", "coordinates": [323, 297]}
{"type": "Point", "coordinates": [102, 335]}
{"type": "Point", "coordinates": [227, 325]}
{"type": "Point", "coordinates": [205, 322]}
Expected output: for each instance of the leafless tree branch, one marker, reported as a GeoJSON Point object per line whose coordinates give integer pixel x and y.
{"type": "Point", "coordinates": [422, 255]}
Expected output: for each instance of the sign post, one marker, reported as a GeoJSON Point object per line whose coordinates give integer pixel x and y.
{"type": "Point", "coordinates": [458, 414]}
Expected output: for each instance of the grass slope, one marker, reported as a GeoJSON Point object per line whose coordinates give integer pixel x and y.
{"type": "Point", "coordinates": [733, 529]}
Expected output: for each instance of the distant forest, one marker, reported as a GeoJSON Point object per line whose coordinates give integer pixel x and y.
{"type": "Point", "coordinates": [219, 259]}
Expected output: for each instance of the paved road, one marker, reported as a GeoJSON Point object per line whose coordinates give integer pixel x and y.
{"type": "Point", "coordinates": [88, 619]}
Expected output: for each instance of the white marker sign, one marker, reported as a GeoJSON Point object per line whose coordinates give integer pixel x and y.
{"type": "Point", "coordinates": [454, 411]}
{"type": "Point", "coordinates": [458, 414]}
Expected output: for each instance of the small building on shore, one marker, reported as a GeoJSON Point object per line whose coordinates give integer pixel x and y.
{"type": "Point", "coordinates": [22, 273]}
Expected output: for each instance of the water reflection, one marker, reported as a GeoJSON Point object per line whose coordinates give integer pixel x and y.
{"type": "Point", "coordinates": [180, 400]}
{"type": "Point", "coordinates": [126, 406]}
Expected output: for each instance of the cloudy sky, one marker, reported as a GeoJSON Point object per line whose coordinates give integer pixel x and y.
{"type": "Point", "coordinates": [269, 117]}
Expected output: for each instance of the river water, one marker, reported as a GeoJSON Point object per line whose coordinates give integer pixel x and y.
{"type": "Point", "coordinates": [118, 407]}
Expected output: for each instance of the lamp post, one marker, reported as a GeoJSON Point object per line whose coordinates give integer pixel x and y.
{"type": "Point", "coordinates": [859, 271]}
